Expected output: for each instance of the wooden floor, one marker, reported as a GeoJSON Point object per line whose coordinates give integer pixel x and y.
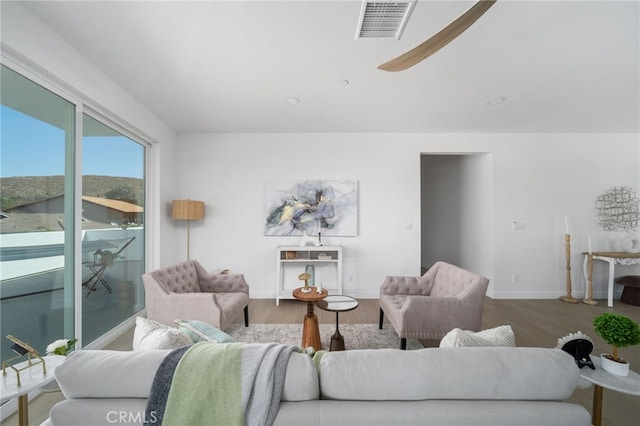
{"type": "Point", "coordinates": [536, 323]}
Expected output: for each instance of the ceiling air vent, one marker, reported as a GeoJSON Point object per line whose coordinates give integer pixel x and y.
{"type": "Point", "coordinates": [383, 19]}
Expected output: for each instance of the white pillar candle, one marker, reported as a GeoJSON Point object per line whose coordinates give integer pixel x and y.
{"type": "Point", "coordinates": [589, 241]}
{"type": "Point", "coordinates": [566, 225]}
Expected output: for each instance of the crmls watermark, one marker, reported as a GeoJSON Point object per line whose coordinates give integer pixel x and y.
{"type": "Point", "coordinates": [125, 417]}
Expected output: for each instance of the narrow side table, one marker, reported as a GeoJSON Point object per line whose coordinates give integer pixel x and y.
{"type": "Point", "coordinates": [337, 304]}
{"type": "Point", "coordinates": [30, 379]}
{"type": "Point", "coordinates": [310, 329]}
{"type": "Point", "coordinates": [601, 379]}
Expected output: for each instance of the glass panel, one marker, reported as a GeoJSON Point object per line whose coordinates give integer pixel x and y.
{"type": "Point", "coordinates": [112, 228]}
{"type": "Point", "coordinates": [36, 302]}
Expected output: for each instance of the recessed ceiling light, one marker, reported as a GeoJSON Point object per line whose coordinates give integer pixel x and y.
{"type": "Point", "coordinates": [292, 101]}
{"type": "Point", "coordinates": [344, 82]}
{"type": "Point", "coordinates": [497, 100]}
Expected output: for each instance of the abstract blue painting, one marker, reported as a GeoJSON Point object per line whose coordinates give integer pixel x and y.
{"type": "Point", "coordinates": [326, 206]}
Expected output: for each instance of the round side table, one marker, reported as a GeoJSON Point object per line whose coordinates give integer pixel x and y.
{"type": "Point", "coordinates": [337, 304]}
{"type": "Point", "coordinates": [310, 329]}
{"type": "Point", "coordinates": [601, 379]}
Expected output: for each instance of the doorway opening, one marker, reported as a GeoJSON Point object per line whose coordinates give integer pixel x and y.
{"type": "Point", "coordinates": [456, 193]}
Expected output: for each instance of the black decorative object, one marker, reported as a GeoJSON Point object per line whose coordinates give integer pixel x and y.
{"type": "Point", "coordinates": [579, 346]}
{"type": "Point", "coordinates": [19, 349]}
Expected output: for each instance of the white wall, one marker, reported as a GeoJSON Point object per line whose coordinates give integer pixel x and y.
{"type": "Point", "coordinates": [536, 179]}
{"type": "Point", "coordinates": [31, 47]}
{"type": "Point", "coordinates": [228, 172]}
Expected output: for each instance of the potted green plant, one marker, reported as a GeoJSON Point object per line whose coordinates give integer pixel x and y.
{"type": "Point", "coordinates": [619, 332]}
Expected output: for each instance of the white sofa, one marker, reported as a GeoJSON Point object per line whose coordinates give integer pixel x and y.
{"type": "Point", "coordinates": [434, 386]}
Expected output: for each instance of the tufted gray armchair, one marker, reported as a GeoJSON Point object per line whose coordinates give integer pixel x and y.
{"type": "Point", "coordinates": [187, 291]}
{"type": "Point", "coordinates": [428, 307]}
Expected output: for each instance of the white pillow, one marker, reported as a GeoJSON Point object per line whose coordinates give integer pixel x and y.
{"type": "Point", "coordinates": [498, 336]}
{"type": "Point", "coordinates": [149, 335]}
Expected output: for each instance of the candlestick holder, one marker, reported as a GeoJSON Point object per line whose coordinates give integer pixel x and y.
{"type": "Point", "coordinates": [567, 251]}
{"type": "Point", "coordinates": [588, 300]}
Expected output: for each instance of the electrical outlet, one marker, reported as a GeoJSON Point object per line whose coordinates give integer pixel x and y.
{"type": "Point", "coordinates": [517, 226]}
{"type": "Point", "coordinates": [515, 278]}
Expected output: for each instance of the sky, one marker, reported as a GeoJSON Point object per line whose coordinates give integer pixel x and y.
{"type": "Point", "coordinates": [29, 147]}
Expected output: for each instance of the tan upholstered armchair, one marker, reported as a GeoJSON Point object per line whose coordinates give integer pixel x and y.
{"type": "Point", "coordinates": [428, 307]}
{"type": "Point", "coordinates": [188, 291]}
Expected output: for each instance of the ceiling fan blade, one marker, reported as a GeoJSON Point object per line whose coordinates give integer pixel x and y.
{"type": "Point", "coordinates": [439, 39]}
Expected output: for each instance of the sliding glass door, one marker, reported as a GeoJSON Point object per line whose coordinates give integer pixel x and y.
{"type": "Point", "coordinates": [36, 302]}
{"type": "Point", "coordinates": [112, 228]}
{"type": "Point", "coordinates": [71, 224]}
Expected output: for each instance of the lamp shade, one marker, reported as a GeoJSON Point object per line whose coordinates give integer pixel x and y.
{"type": "Point", "coordinates": [187, 210]}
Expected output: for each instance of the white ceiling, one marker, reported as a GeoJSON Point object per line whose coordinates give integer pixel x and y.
{"type": "Point", "coordinates": [229, 66]}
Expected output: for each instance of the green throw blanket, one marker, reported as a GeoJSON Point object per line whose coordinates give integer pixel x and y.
{"type": "Point", "coordinates": [223, 384]}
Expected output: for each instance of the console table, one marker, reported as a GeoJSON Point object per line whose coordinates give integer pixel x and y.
{"type": "Point", "coordinates": [327, 260]}
{"type": "Point", "coordinates": [621, 258]}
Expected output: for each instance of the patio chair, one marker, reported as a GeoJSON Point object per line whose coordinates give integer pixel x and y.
{"type": "Point", "coordinates": [100, 263]}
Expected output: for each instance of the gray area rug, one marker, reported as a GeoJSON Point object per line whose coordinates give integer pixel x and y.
{"type": "Point", "coordinates": [356, 336]}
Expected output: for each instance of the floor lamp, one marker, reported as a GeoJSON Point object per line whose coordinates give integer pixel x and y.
{"type": "Point", "coordinates": [187, 210]}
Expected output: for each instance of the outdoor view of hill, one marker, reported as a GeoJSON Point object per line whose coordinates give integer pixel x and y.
{"type": "Point", "coordinates": [16, 191]}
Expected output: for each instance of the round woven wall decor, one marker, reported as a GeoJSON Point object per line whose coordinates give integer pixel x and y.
{"type": "Point", "coordinates": [618, 209]}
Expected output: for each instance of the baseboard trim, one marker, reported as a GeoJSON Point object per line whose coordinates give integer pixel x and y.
{"type": "Point", "coordinates": [369, 294]}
